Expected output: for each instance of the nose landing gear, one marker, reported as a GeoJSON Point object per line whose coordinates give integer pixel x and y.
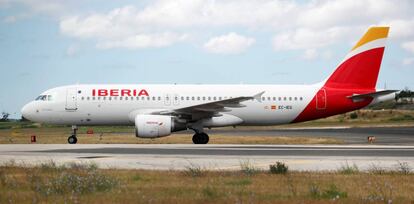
{"type": "Point", "coordinates": [73, 139]}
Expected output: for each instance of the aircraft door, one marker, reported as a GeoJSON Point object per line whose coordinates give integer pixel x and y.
{"type": "Point", "coordinates": [71, 99]}
{"type": "Point", "coordinates": [321, 99]}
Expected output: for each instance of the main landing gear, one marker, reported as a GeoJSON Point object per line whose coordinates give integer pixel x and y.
{"type": "Point", "coordinates": [73, 139]}
{"type": "Point", "coordinates": [200, 138]}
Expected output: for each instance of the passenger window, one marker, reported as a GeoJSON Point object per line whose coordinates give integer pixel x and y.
{"type": "Point", "coordinates": [153, 98]}
{"type": "Point", "coordinates": [263, 98]}
{"type": "Point", "coordinates": [192, 98]}
{"type": "Point", "coordinates": [159, 98]}
{"type": "Point", "coordinates": [296, 98]}
{"type": "Point", "coordinates": [120, 98]}
{"type": "Point", "coordinates": [268, 98]}
{"type": "Point", "coordinates": [198, 98]}
{"type": "Point", "coordinates": [187, 98]}
{"type": "Point", "coordinates": [83, 98]}
{"type": "Point", "coordinates": [214, 98]}
{"type": "Point", "coordinates": [204, 98]}
{"type": "Point", "coordinates": [209, 98]}
{"type": "Point", "coordinates": [300, 98]}
{"type": "Point", "coordinates": [284, 98]}
{"type": "Point", "coordinates": [274, 98]}
{"type": "Point", "coordinates": [87, 98]}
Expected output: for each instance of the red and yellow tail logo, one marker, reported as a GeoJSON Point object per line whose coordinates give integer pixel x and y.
{"type": "Point", "coordinates": [356, 74]}
{"type": "Point", "coordinates": [360, 68]}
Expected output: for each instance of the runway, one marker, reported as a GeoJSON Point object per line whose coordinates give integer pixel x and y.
{"type": "Point", "coordinates": [350, 135]}
{"type": "Point", "coordinates": [214, 157]}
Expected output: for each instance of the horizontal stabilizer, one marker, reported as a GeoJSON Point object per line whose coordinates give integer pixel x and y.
{"type": "Point", "coordinates": [357, 97]}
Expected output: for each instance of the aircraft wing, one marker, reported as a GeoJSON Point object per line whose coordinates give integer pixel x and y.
{"type": "Point", "coordinates": [210, 109]}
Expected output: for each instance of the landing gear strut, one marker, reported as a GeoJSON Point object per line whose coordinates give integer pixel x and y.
{"type": "Point", "coordinates": [73, 139]}
{"type": "Point", "coordinates": [200, 138]}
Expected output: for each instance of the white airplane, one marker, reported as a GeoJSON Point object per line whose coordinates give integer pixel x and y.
{"type": "Point", "coordinates": [159, 110]}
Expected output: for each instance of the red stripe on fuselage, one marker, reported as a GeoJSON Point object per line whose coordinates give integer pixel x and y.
{"type": "Point", "coordinates": [357, 75]}
{"type": "Point", "coordinates": [336, 103]}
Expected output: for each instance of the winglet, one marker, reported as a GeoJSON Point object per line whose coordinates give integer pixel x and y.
{"type": "Point", "coordinates": [258, 96]}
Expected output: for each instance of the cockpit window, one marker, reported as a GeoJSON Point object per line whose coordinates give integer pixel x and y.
{"type": "Point", "coordinates": [41, 98]}
{"type": "Point", "coordinates": [44, 98]}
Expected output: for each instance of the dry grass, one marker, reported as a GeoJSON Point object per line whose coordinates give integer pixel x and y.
{"type": "Point", "coordinates": [139, 186]}
{"type": "Point", "coordinates": [46, 135]}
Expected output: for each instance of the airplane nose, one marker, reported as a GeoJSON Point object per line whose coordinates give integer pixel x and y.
{"type": "Point", "coordinates": [26, 111]}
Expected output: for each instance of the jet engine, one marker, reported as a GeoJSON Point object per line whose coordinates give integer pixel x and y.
{"type": "Point", "coordinates": [151, 126]}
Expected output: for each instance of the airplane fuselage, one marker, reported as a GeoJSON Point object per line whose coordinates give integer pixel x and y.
{"type": "Point", "coordinates": [114, 104]}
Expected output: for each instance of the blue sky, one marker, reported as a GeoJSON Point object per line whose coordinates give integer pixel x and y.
{"type": "Point", "coordinates": [45, 43]}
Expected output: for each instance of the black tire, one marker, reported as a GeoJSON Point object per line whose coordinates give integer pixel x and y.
{"type": "Point", "coordinates": [72, 139]}
{"type": "Point", "coordinates": [204, 138]}
{"type": "Point", "coordinates": [200, 138]}
{"type": "Point", "coordinates": [196, 139]}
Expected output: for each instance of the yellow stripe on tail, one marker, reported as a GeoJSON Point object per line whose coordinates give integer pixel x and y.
{"type": "Point", "coordinates": [372, 34]}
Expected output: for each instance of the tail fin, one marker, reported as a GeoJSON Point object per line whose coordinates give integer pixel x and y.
{"type": "Point", "coordinates": [360, 68]}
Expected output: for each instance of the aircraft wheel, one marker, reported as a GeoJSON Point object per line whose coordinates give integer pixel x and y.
{"type": "Point", "coordinates": [72, 139]}
{"type": "Point", "coordinates": [200, 138]}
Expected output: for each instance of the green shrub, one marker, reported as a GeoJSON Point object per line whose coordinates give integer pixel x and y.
{"type": "Point", "coordinates": [353, 115]}
{"type": "Point", "coordinates": [278, 168]}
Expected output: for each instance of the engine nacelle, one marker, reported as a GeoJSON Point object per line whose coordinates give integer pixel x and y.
{"type": "Point", "coordinates": [151, 126]}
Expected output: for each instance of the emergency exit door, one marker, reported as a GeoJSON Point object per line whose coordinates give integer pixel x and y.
{"type": "Point", "coordinates": [71, 99]}
{"type": "Point", "coordinates": [321, 99]}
